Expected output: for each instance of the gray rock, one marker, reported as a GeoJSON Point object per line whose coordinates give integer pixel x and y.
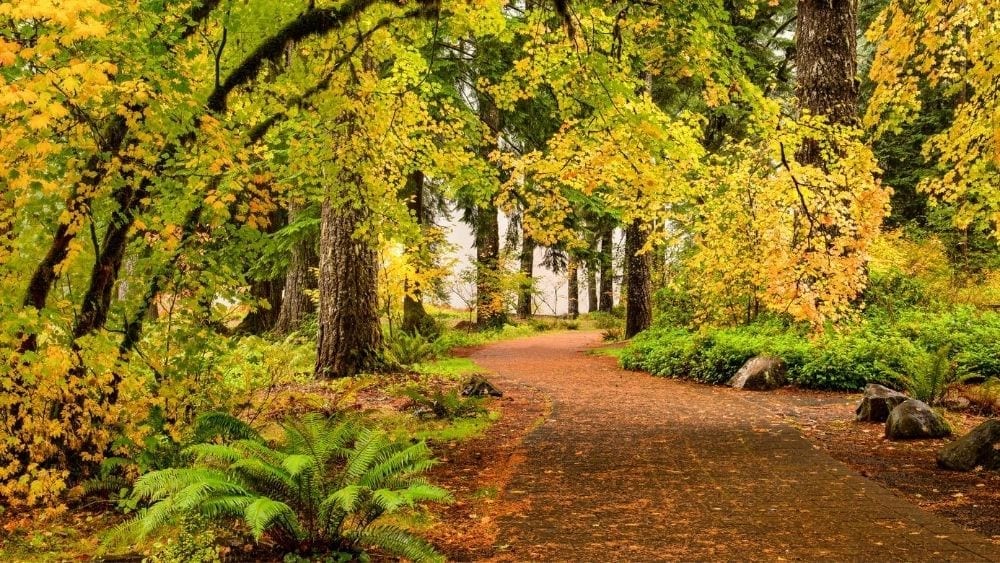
{"type": "Point", "coordinates": [878, 402]}
{"type": "Point", "coordinates": [914, 420]}
{"type": "Point", "coordinates": [759, 374]}
{"type": "Point", "coordinates": [978, 447]}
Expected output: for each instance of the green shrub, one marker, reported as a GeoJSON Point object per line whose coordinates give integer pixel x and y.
{"type": "Point", "coordinates": [326, 487]}
{"type": "Point", "coordinates": [613, 334]}
{"type": "Point", "coordinates": [445, 404]}
{"type": "Point", "coordinates": [928, 376]}
{"type": "Point", "coordinates": [196, 543]}
{"type": "Point", "coordinates": [880, 351]}
{"type": "Point", "coordinates": [408, 349]}
{"type": "Point", "coordinates": [664, 352]}
{"type": "Point", "coordinates": [849, 362]}
{"type": "Point", "coordinates": [604, 321]}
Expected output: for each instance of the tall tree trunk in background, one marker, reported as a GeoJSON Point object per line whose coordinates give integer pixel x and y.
{"type": "Point", "coordinates": [524, 297]}
{"type": "Point", "coordinates": [415, 318]}
{"type": "Point", "coordinates": [296, 304]}
{"type": "Point", "coordinates": [490, 307]}
{"type": "Point", "coordinates": [350, 336]}
{"type": "Point", "coordinates": [264, 318]}
{"type": "Point", "coordinates": [591, 287]}
{"type": "Point", "coordinates": [638, 271]}
{"type": "Point", "coordinates": [573, 281]}
{"type": "Point", "coordinates": [267, 292]}
{"type": "Point", "coordinates": [826, 55]}
{"type": "Point", "coordinates": [607, 293]}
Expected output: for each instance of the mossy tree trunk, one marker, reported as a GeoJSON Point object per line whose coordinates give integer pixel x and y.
{"type": "Point", "coordinates": [350, 336]}
{"type": "Point", "coordinates": [415, 317]}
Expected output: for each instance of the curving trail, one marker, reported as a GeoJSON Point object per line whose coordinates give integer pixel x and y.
{"type": "Point", "coordinates": [629, 467]}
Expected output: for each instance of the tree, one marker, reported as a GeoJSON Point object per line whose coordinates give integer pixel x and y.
{"type": "Point", "coordinates": [606, 296]}
{"type": "Point", "coordinates": [638, 280]}
{"type": "Point", "coordinates": [415, 317]}
{"type": "Point", "coordinates": [573, 284]}
{"type": "Point", "coordinates": [826, 57]}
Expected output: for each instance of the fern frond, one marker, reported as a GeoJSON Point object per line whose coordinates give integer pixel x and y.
{"type": "Point", "coordinates": [368, 445]}
{"type": "Point", "coordinates": [219, 424]}
{"type": "Point", "coordinates": [231, 506]}
{"type": "Point", "coordinates": [223, 453]}
{"type": "Point", "coordinates": [157, 485]}
{"type": "Point", "coordinates": [398, 542]}
{"type": "Point", "coordinates": [345, 499]}
{"type": "Point", "coordinates": [297, 464]}
{"type": "Point", "coordinates": [396, 460]}
{"type": "Point", "coordinates": [265, 478]}
{"type": "Point", "coordinates": [263, 513]}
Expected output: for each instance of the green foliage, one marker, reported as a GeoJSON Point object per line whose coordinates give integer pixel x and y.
{"type": "Point", "coordinates": [604, 321]}
{"type": "Point", "coordinates": [444, 404]}
{"type": "Point", "coordinates": [327, 487]}
{"type": "Point", "coordinates": [196, 543]}
{"type": "Point", "coordinates": [929, 375]}
{"type": "Point", "coordinates": [985, 399]}
{"type": "Point", "coordinates": [613, 334]}
{"type": "Point", "coordinates": [715, 355]}
{"type": "Point", "coordinates": [409, 349]}
{"type": "Point", "coordinates": [849, 362]}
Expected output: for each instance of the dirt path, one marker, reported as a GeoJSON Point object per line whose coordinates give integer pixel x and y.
{"type": "Point", "coordinates": [631, 467]}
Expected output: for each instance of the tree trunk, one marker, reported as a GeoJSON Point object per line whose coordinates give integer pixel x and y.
{"type": "Point", "coordinates": [264, 317]}
{"type": "Point", "coordinates": [524, 297]}
{"type": "Point", "coordinates": [350, 336]}
{"type": "Point", "coordinates": [826, 60]}
{"type": "Point", "coordinates": [415, 318]}
{"type": "Point", "coordinates": [639, 305]}
{"type": "Point", "coordinates": [295, 303]}
{"type": "Point", "coordinates": [607, 295]}
{"type": "Point", "coordinates": [97, 300]}
{"type": "Point", "coordinates": [591, 287]}
{"type": "Point", "coordinates": [490, 307]}
{"type": "Point", "coordinates": [573, 282]}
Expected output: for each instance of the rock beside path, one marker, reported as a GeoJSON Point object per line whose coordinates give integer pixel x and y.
{"type": "Point", "coordinates": [878, 402]}
{"type": "Point", "coordinates": [978, 447]}
{"type": "Point", "coordinates": [914, 420]}
{"type": "Point", "coordinates": [759, 374]}
{"type": "Point", "coordinates": [479, 386]}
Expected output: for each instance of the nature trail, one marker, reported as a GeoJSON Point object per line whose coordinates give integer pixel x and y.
{"type": "Point", "coordinates": [628, 466]}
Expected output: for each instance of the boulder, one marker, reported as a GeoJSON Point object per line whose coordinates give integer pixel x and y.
{"type": "Point", "coordinates": [479, 386]}
{"type": "Point", "coordinates": [978, 447]}
{"type": "Point", "coordinates": [913, 420]}
{"type": "Point", "coordinates": [759, 374]}
{"type": "Point", "coordinates": [878, 402]}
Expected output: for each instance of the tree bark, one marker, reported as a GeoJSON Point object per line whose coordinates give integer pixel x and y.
{"type": "Point", "coordinates": [490, 307]}
{"type": "Point", "coordinates": [591, 287]}
{"type": "Point", "coordinates": [606, 257]}
{"type": "Point", "coordinates": [826, 63]}
{"type": "Point", "coordinates": [524, 297]}
{"type": "Point", "coordinates": [350, 336]}
{"type": "Point", "coordinates": [573, 283]}
{"type": "Point", "coordinates": [415, 317]}
{"type": "Point", "coordinates": [639, 305]}
{"type": "Point", "coordinates": [299, 279]}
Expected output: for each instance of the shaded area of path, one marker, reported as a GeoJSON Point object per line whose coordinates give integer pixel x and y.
{"type": "Point", "coordinates": [632, 467]}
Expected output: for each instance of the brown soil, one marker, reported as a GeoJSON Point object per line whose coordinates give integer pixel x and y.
{"type": "Point", "coordinates": [628, 466]}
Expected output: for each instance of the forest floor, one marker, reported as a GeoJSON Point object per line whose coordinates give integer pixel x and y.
{"type": "Point", "coordinates": [590, 460]}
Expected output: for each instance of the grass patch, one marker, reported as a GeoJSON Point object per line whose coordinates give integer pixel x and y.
{"type": "Point", "coordinates": [405, 425]}
{"type": "Point", "coordinates": [449, 367]}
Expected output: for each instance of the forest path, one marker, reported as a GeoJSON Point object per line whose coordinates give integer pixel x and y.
{"type": "Point", "coordinates": [630, 467]}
